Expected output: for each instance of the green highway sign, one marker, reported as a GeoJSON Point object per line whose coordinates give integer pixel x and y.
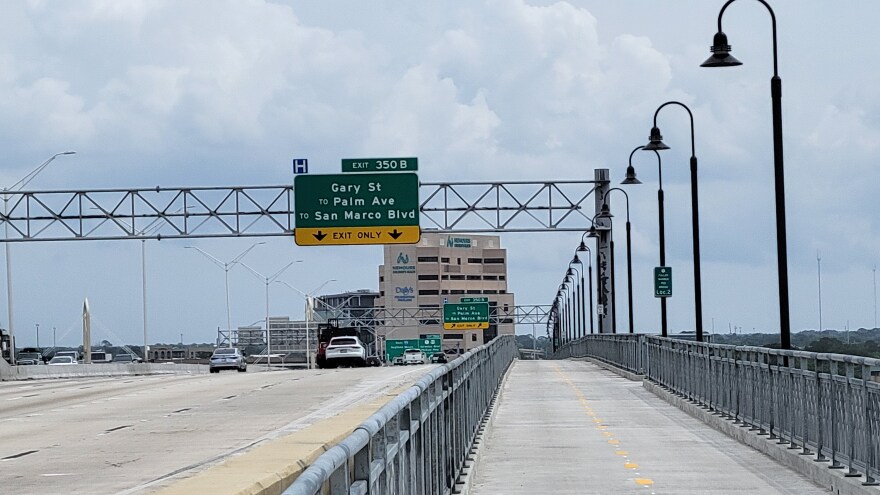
{"type": "Point", "coordinates": [465, 316]}
{"type": "Point", "coordinates": [356, 209]}
{"type": "Point", "coordinates": [429, 346]}
{"type": "Point", "coordinates": [662, 281]}
{"type": "Point", "coordinates": [380, 164]}
{"type": "Point", "coordinates": [474, 299]}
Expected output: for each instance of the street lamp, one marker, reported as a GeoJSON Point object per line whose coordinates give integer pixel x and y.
{"type": "Point", "coordinates": [581, 248]}
{"type": "Point", "coordinates": [226, 266]}
{"type": "Point", "coordinates": [18, 186]}
{"type": "Point", "coordinates": [576, 326]}
{"type": "Point", "coordinates": [656, 144]}
{"type": "Point", "coordinates": [583, 322]}
{"type": "Point", "coordinates": [310, 304]}
{"type": "Point", "coordinates": [606, 212]}
{"type": "Point", "coordinates": [721, 57]}
{"type": "Point", "coordinates": [631, 179]}
{"type": "Point", "coordinates": [268, 280]}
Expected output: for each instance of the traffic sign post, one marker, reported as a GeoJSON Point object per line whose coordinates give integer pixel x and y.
{"type": "Point", "coordinates": [356, 209]}
{"type": "Point", "coordinates": [662, 281]}
{"type": "Point", "coordinates": [474, 299]}
{"type": "Point", "coordinates": [380, 164]}
{"type": "Point", "coordinates": [466, 316]}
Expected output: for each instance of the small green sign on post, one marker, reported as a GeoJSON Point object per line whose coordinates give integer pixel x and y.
{"type": "Point", "coordinates": [662, 281]}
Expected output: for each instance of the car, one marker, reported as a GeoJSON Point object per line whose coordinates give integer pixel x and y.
{"type": "Point", "coordinates": [123, 358]}
{"type": "Point", "coordinates": [374, 361]}
{"type": "Point", "coordinates": [29, 358]}
{"type": "Point", "coordinates": [61, 361]}
{"type": "Point", "coordinates": [227, 358]}
{"type": "Point", "coordinates": [74, 355]}
{"type": "Point", "coordinates": [413, 356]}
{"type": "Point", "coordinates": [439, 357]}
{"type": "Point", "coordinates": [345, 351]}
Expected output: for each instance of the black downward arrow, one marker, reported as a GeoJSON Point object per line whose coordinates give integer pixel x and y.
{"type": "Point", "coordinates": [395, 234]}
{"type": "Point", "coordinates": [320, 236]}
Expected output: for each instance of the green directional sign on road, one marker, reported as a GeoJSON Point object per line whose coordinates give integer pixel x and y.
{"type": "Point", "coordinates": [380, 164]}
{"type": "Point", "coordinates": [465, 316]}
{"type": "Point", "coordinates": [430, 345]}
{"type": "Point", "coordinates": [474, 299]}
{"type": "Point", "coordinates": [356, 209]}
{"type": "Point", "coordinates": [662, 281]}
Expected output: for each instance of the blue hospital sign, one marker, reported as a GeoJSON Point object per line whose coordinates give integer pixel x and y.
{"type": "Point", "coordinates": [300, 165]}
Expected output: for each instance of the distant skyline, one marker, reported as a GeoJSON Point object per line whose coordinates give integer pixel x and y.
{"type": "Point", "coordinates": [227, 93]}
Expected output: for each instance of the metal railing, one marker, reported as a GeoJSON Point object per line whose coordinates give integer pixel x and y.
{"type": "Point", "coordinates": [419, 441]}
{"type": "Point", "coordinates": [826, 405]}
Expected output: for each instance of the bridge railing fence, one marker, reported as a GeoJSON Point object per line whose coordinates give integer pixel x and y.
{"type": "Point", "coordinates": [420, 440]}
{"type": "Point", "coordinates": [825, 405]}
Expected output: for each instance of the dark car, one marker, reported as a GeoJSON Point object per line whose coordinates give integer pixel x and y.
{"type": "Point", "coordinates": [439, 357]}
{"type": "Point", "coordinates": [123, 358]}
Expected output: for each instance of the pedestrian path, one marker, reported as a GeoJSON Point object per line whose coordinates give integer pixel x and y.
{"type": "Point", "coordinates": [571, 427]}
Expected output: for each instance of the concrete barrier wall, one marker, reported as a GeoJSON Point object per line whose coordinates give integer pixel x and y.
{"type": "Point", "coordinates": [104, 369]}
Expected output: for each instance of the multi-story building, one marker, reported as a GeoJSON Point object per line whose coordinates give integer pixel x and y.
{"type": "Point", "coordinates": [442, 269]}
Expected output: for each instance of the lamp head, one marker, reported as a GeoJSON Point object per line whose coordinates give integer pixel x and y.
{"type": "Point", "coordinates": [630, 176]}
{"type": "Point", "coordinates": [592, 232]}
{"type": "Point", "coordinates": [576, 260]}
{"type": "Point", "coordinates": [568, 272]}
{"type": "Point", "coordinates": [605, 212]}
{"type": "Point", "coordinates": [656, 143]}
{"type": "Point", "coordinates": [721, 56]}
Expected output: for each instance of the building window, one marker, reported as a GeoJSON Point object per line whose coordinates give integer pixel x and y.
{"type": "Point", "coordinates": [490, 291]}
{"type": "Point", "coordinates": [381, 278]}
{"type": "Point", "coordinates": [430, 292]}
{"type": "Point", "coordinates": [456, 291]}
{"type": "Point", "coordinates": [474, 277]}
{"type": "Point", "coordinates": [444, 260]}
{"type": "Point", "coordinates": [475, 260]}
{"type": "Point", "coordinates": [452, 336]}
{"type": "Point", "coordinates": [474, 292]}
{"type": "Point", "coordinates": [444, 291]}
{"type": "Point", "coordinates": [502, 277]}
{"type": "Point", "coordinates": [493, 261]}
{"type": "Point", "coordinates": [490, 277]}
{"type": "Point", "coordinates": [427, 259]}
{"type": "Point", "coordinates": [456, 277]}
{"type": "Point", "coordinates": [429, 277]}
{"type": "Point", "coordinates": [381, 293]}
{"type": "Point", "coordinates": [459, 260]}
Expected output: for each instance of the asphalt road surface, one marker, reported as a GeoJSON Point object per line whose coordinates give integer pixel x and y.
{"type": "Point", "coordinates": [129, 434]}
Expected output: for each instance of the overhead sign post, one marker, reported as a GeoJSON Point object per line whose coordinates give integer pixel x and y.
{"type": "Point", "coordinates": [380, 164]}
{"type": "Point", "coordinates": [662, 281]}
{"type": "Point", "coordinates": [466, 316]}
{"type": "Point", "coordinates": [364, 208]}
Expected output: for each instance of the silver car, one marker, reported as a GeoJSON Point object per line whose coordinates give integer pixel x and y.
{"type": "Point", "coordinates": [227, 358]}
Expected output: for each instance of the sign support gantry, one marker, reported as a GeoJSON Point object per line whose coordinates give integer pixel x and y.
{"type": "Point", "coordinates": [266, 211]}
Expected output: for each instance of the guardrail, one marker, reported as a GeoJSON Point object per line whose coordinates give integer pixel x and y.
{"type": "Point", "coordinates": [826, 405]}
{"type": "Point", "coordinates": [418, 442]}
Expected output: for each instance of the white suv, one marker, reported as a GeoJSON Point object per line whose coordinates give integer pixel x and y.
{"type": "Point", "coordinates": [413, 356]}
{"type": "Point", "coordinates": [345, 351]}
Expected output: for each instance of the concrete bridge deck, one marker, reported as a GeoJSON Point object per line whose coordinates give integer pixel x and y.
{"type": "Point", "coordinates": [572, 427]}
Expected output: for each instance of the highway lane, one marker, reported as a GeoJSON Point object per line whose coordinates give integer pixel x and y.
{"type": "Point", "coordinates": [129, 434]}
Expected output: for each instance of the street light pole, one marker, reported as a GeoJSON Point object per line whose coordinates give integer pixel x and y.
{"type": "Point", "coordinates": [583, 321]}
{"type": "Point", "coordinates": [581, 248]}
{"type": "Point", "coordinates": [17, 187]}
{"type": "Point", "coordinates": [226, 266]}
{"type": "Point", "coordinates": [268, 280]}
{"type": "Point", "coordinates": [631, 179]}
{"type": "Point", "coordinates": [656, 144]}
{"type": "Point", "coordinates": [819, 275]}
{"type": "Point", "coordinates": [606, 211]}
{"type": "Point", "coordinates": [308, 312]}
{"type": "Point", "coordinates": [721, 57]}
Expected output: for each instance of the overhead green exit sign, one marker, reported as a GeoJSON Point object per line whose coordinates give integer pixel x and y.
{"type": "Point", "coordinates": [410, 164]}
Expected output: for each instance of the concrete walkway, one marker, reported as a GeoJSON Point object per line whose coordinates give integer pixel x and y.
{"type": "Point", "coordinates": [572, 427]}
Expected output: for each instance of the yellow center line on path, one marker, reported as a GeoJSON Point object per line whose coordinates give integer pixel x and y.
{"type": "Point", "coordinates": [614, 442]}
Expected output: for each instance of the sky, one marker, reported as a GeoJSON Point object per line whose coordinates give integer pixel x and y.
{"type": "Point", "coordinates": [226, 93]}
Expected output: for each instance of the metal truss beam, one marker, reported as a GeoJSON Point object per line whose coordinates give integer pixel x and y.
{"type": "Point", "coordinates": [261, 211]}
{"type": "Point", "coordinates": [372, 318]}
